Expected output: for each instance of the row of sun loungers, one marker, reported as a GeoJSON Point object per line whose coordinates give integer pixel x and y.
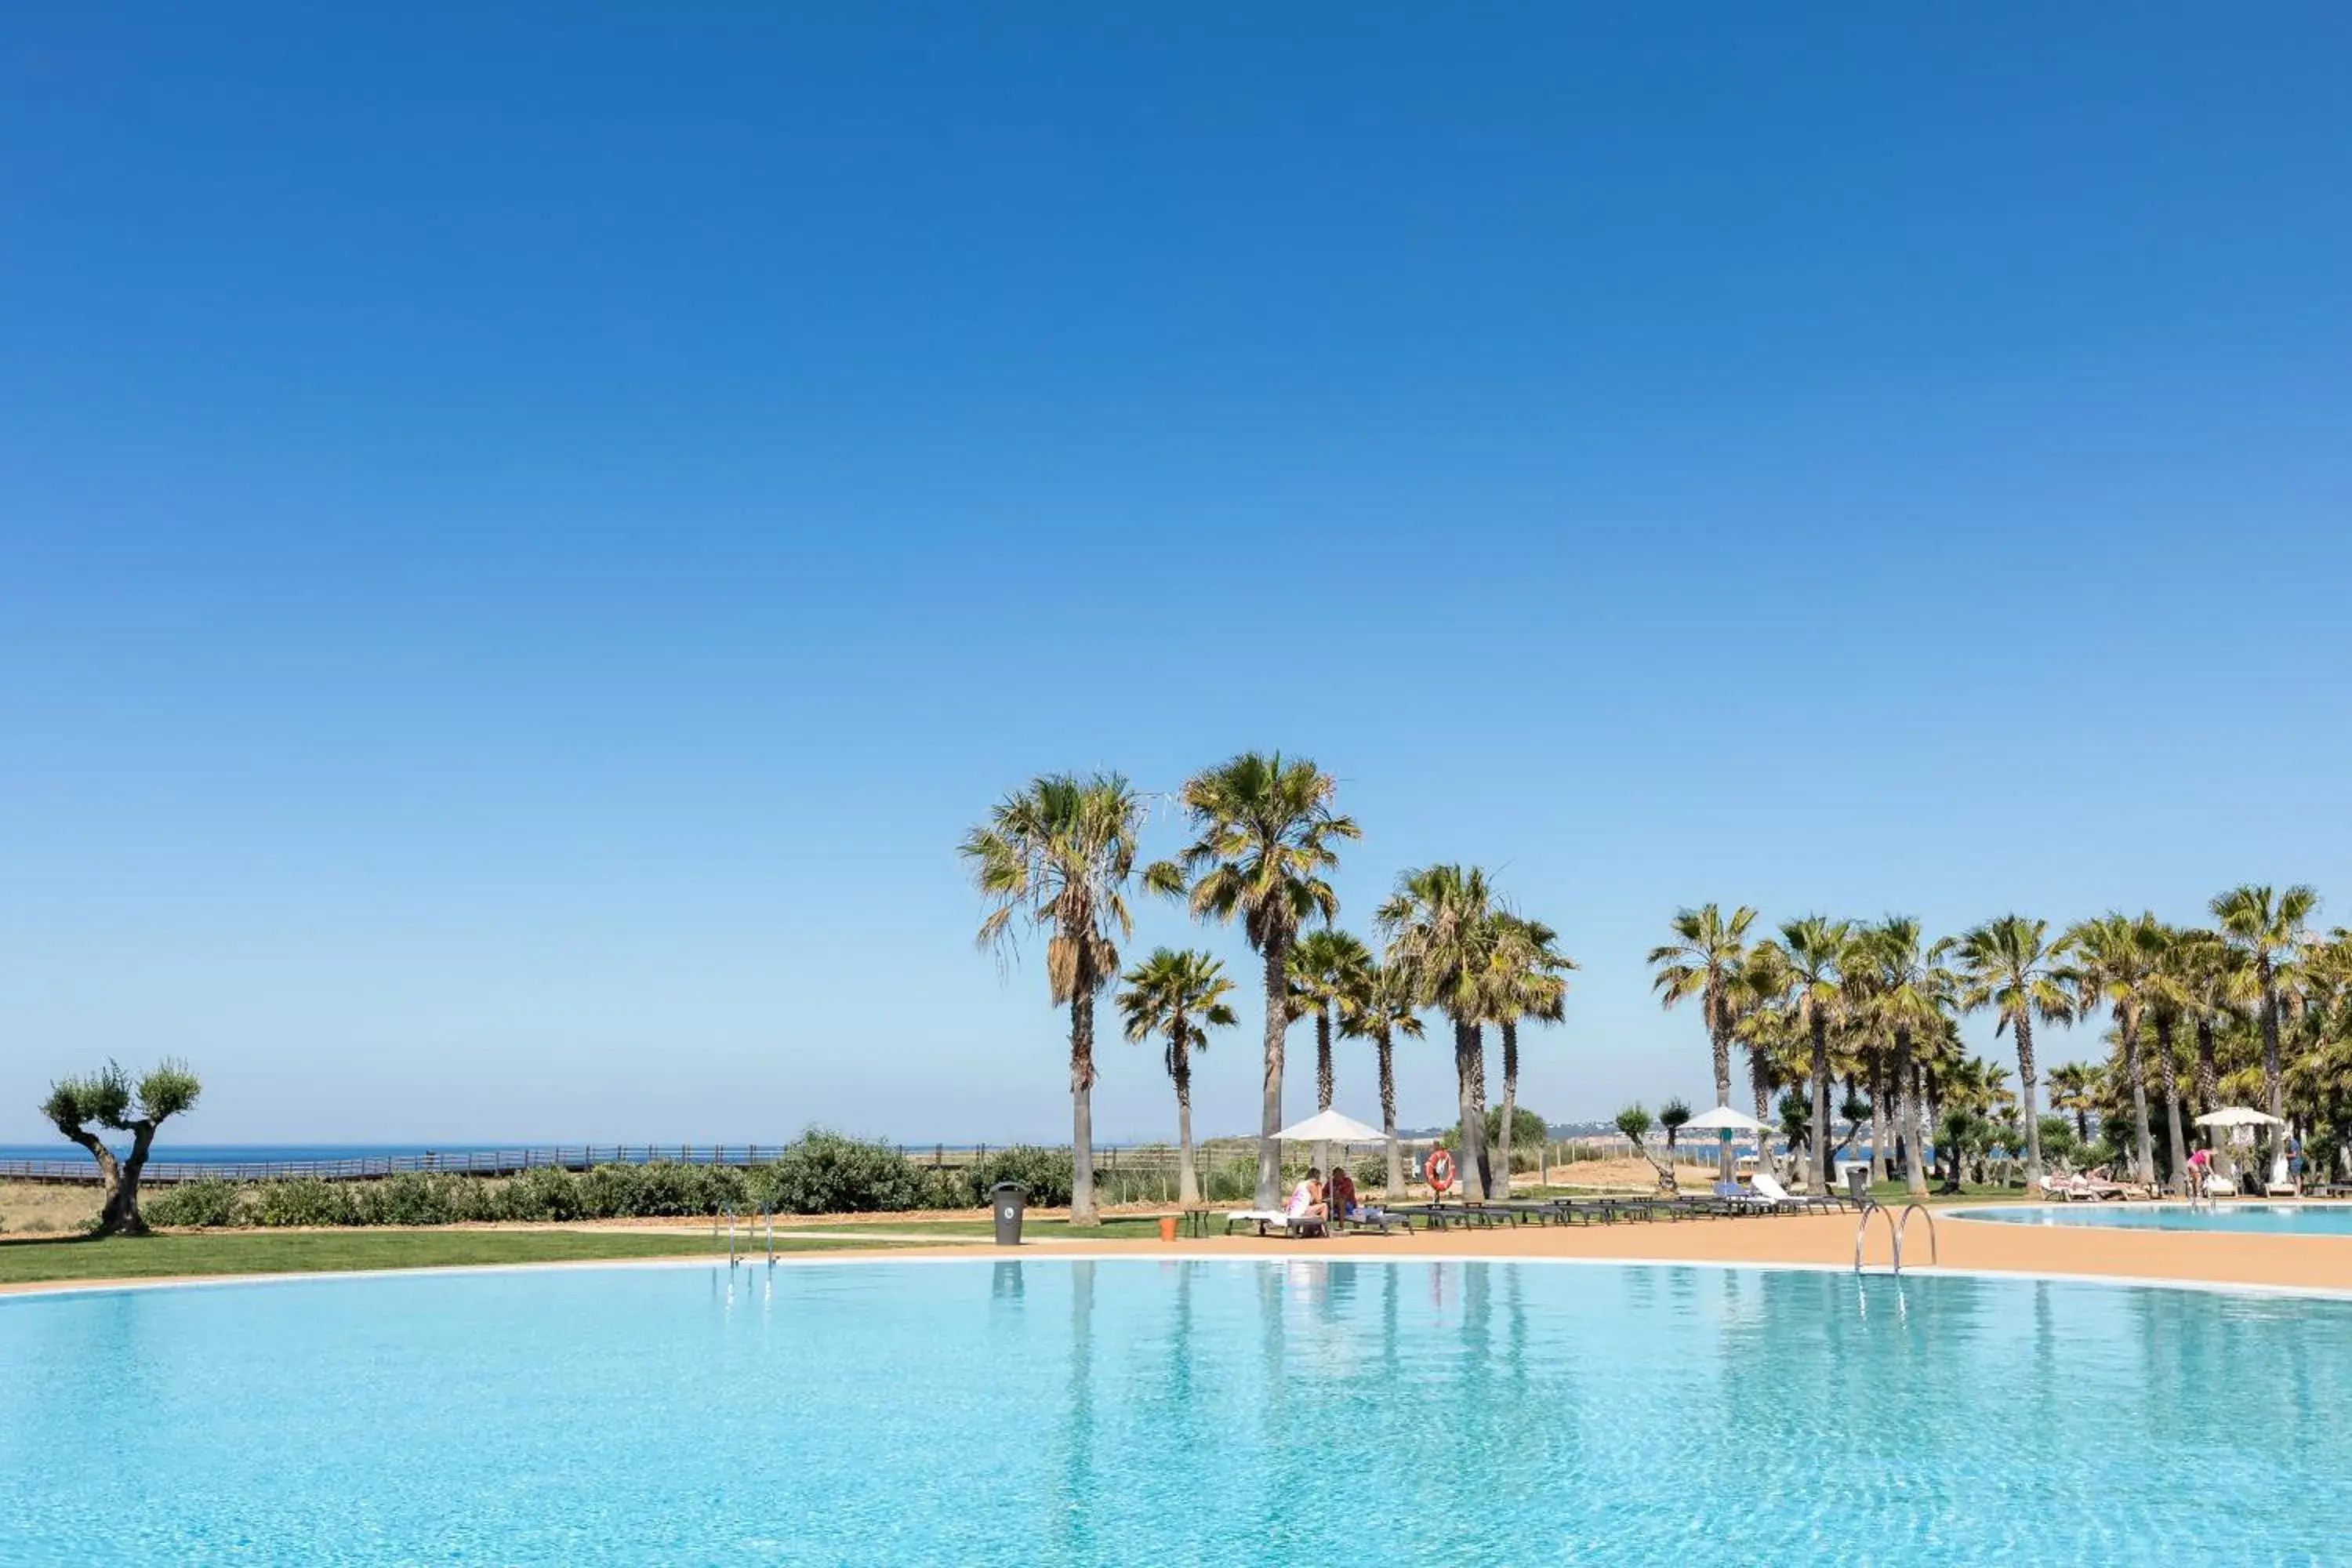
{"type": "Point", "coordinates": [1727, 1201]}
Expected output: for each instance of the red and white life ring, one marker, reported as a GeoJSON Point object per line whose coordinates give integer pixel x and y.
{"type": "Point", "coordinates": [1439, 1170]}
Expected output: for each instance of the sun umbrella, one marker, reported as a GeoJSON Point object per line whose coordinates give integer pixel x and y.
{"type": "Point", "coordinates": [2239, 1116]}
{"type": "Point", "coordinates": [1724, 1121]}
{"type": "Point", "coordinates": [1329, 1127]}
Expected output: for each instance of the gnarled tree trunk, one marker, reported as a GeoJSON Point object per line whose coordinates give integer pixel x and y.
{"type": "Point", "coordinates": [1718, 1029]}
{"type": "Point", "coordinates": [2136, 1069]}
{"type": "Point", "coordinates": [1877, 1119]}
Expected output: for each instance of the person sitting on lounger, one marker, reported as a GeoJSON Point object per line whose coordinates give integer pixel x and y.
{"type": "Point", "coordinates": [1306, 1198]}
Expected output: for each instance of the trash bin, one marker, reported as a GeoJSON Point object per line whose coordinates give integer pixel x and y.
{"type": "Point", "coordinates": [1858, 1183]}
{"type": "Point", "coordinates": [1009, 1200]}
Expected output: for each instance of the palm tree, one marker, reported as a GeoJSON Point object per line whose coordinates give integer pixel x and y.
{"type": "Point", "coordinates": [2269, 928]}
{"type": "Point", "coordinates": [1178, 996]}
{"type": "Point", "coordinates": [1379, 1009]}
{"type": "Point", "coordinates": [1760, 1022]}
{"type": "Point", "coordinates": [1911, 994]}
{"type": "Point", "coordinates": [2211, 971]}
{"type": "Point", "coordinates": [1056, 858]}
{"type": "Point", "coordinates": [2013, 968]}
{"type": "Point", "coordinates": [2118, 957]}
{"type": "Point", "coordinates": [1703, 961]}
{"type": "Point", "coordinates": [1440, 930]}
{"type": "Point", "coordinates": [2073, 1090]}
{"type": "Point", "coordinates": [1322, 968]}
{"type": "Point", "coordinates": [1815, 950]}
{"type": "Point", "coordinates": [1262, 849]}
{"type": "Point", "coordinates": [1529, 982]}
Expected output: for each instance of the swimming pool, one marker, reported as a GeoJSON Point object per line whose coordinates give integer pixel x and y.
{"type": "Point", "coordinates": [2247, 1218]}
{"type": "Point", "coordinates": [1206, 1411]}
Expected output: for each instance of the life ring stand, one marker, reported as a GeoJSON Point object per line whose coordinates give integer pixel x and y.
{"type": "Point", "coordinates": [1438, 1170]}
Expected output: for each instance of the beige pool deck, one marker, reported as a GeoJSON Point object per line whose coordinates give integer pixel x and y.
{"type": "Point", "coordinates": [2272, 1261]}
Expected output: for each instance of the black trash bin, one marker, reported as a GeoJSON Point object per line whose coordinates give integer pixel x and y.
{"type": "Point", "coordinates": [1009, 1200]}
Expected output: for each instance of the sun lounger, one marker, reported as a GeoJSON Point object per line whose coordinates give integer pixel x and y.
{"type": "Point", "coordinates": [1279, 1220]}
{"type": "Point", "coordinates": [1375, 1219]}
{"type": "Point", "coordinates": [1767, 1185]}
{"type": "Point", "coordinates": [2282, 1183]}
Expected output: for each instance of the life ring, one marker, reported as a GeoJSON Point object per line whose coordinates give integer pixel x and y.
{"type": "Point", "coordinates": [1439, 1170]}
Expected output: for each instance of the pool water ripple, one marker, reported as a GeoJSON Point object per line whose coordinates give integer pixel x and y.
{"type": "Point", "coordinates": [1203, 1411]}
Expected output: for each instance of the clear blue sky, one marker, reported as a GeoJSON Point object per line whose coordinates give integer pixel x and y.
{"type": "Point", "coordinates": [528, 533]}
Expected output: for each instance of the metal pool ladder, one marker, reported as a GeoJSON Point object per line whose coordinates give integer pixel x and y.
{"type": "Point", "coordinates": [1896, 1230]}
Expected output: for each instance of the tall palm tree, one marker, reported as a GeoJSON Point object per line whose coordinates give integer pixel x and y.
{"type": "Point", "coordinates": [2211, 972]}
{"type": "Point", "coordinates": [1056, 858]}
{"type": "Point", "coordinates": [2116, 958]}
{"type": "Point", "coordinates": [1703, 961]}
{"type": "Point", "coordinates": [1322, 967]}
{"type": "Point", "coordinates": [1440, 930]}
{"type": "Point", "coordinates": [2012, 967]}
{"type": "Point", "coordinates": [2269, 928]}
{"type": "Point", "coordinates": [1178, 996]}
{"type": "Point", "coordinates": [1816, 950]}
{"type": "Point", "coordinates": [1379, 1009]}
{"type": "Point", "coordinates": [1529, 982]}
{"type": "Point", "coordinates": [1912, 992]}
{"type": "Point", "coordinates": [1264, 843]}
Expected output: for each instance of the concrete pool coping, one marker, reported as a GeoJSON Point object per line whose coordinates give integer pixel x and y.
{"type": "Point", "coordinates": [2264, 1265]}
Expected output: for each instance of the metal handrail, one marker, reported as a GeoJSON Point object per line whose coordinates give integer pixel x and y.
{"type": "Point", "coordinates": [1862, 1234]}
{"type": "Point", "coordinates": [1935, 1248]}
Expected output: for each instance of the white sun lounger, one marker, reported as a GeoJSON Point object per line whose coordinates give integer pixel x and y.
{"type": "Point", "coordinates": [1277, 1219]}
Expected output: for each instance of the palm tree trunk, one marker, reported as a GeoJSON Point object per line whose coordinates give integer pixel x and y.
{"type": "Point", "coordinates": [2209, 1090]}
{"type": "Point", "coordinates": [1323, 1082]}
{"type": "Point", "coordinates": [1479, 1098]}
{"type": "Point", "coordinates": [1720, 1035]}
{"type": "Point", "coordinates": [1817, 1180]}
{"type": "Point", "coordinates": [1510, 1099]}
{"type": "Point", "coordinates": [2136, 1069]}
{"type": "Point", "coordinates": [1915, 1128]}
{"type": "Point", "coordinates": [1877, 1117]}
{"type": "Point", "coordinates": [1383, 1048]}
{"type": "Point", "coordinates": [1188, 1181]}
{"type": "Point", "coordinates": [2170, 1068]}
{"type": "Point", "coordinates": [2028, 1105]}
{"type": "Point", "coordinates": [1760, 1079]}
{"type": "Point", "coordinates": [2270, 1077]}
{"type": "Point", "coordinates": [1082, 1110]}
{"type": "Point", "coordinates": [1467, 1049]}
{"type": "Point", "coordinates": [1269, 1147]}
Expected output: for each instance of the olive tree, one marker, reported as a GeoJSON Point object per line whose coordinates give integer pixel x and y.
{"type": "Point", "coordinates": [108, 1098]}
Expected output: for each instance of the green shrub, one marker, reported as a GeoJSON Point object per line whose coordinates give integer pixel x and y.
{"type": "Point", "coordinates": [1046, 1173]}
{"type": "Point", "coordinates": [825, 1173]}
{"type": "Point", "coordinates": [205, 1202]}
{"type": "Point", "coordinates": [545, 1193]}
{"type": "Point", "coordinates": [302, 1200]}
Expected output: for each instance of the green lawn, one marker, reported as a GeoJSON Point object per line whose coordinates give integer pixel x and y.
{"type": "Point", "coordinates": [310, 1252]}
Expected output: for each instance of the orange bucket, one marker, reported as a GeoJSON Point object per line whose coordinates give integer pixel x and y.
{"type": "Point", "coordinates": [1168, 1227]}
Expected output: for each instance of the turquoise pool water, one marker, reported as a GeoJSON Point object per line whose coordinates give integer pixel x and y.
{"type": "Point", "coordinates": [1167, 1413]}
{"type": "Point", "coordinates": [2266, 1219]}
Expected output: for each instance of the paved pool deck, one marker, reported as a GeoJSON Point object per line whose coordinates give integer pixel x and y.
{"type": "Point", "coordinates": [2302, 1263]}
